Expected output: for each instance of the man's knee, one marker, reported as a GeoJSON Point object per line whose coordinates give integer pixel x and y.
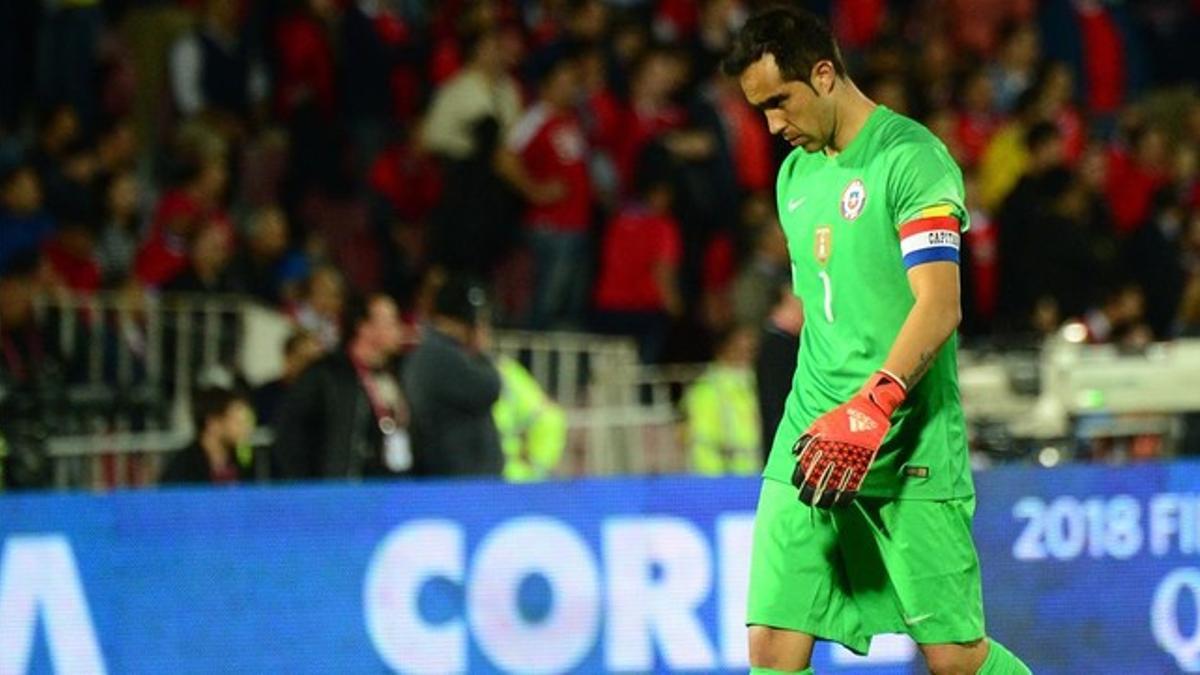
{"type": "Point", "coordinates": [779, 649]}
{"type": "Point", "coordinates": [955, 659]}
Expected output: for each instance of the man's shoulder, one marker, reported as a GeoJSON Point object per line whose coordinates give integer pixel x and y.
{"type": "Point", "coordinates": [433, 349]}
{"type": "Point", "coordinates": [903, 138]}
{"type": "Point", "coordinates": [186, 465]}
{"type": "Point", "coordinates": [328, 366]}
{"type": "Point", "coordinates": [898, 130]}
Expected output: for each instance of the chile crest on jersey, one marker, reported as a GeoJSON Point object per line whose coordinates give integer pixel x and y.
{"type": "Point", "coordinates": [854, 197]}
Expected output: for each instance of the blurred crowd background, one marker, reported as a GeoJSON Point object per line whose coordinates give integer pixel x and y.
{"type": "Point", "coordinates": [582, 164]}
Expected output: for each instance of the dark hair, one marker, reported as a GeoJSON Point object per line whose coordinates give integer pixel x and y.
{"type": "Point", "coordinates": [797, 38]}
{"type": "Point", "coordinates": [547, 63]}
{"type": "Point", "coordinates": [1041, 133]}
{"type": "Point", "coordinates": [209, 402]}
{"type": "Point", "coordinates": [357, 311]}
{"type": "Point", "coordinates": [461, 298]}
{"type": "Point", "coordinates": [473, 38]}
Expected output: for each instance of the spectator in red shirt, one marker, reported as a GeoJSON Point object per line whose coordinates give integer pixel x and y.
{"type": "Point", "coordinates": [547, 162]}
{"type": "Point", "coordinates": [637, 292]}
{"type": "Point", "coordinates": [602, 112]}
{"type": "Point", "coordinates": [408, 179]}
{"type": "Point", "coordinates": [749, 144]}
{"type": "Point", "coordinates": [652, 112]}
{"type": "Point", "coordinates": [71, 255]}
{"type": "Point", "coordinates": [1134, 178]}
{"type": "Point", "coordinates": [304, 69]}
{"type": "Point", "coordinates": [180, 213]}
{"type": "Point", "coordinates": [1055, 89]}
{"type": "Point", "coordinates": [1105, 57]}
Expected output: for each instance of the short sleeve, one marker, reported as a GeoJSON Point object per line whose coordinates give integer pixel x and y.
{"type": "Point", "coordinates": [925, 181]}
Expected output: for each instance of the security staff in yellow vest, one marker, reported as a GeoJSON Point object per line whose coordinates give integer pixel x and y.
{"type": "Point", "coordinates": [721, 406]}
{"type": "Point", "coordinates": [533, 429]}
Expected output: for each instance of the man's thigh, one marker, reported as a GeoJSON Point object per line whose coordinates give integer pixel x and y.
{"type": "Point", "coordinates": [926, 581]}
{"type": "Point", "coordinates": [798, 579]}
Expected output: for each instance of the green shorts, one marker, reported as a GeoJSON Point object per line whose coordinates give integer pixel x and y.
{"type": "Point", "coordinates": [876, 566]}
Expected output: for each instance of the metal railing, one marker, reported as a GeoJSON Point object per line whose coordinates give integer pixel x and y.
{"type": "Point", "coordinates": [635, 420]}
{"type": "Point", "coordinates": [116, 380]}
{"type": "Point", "coordinates": [622, 417]}
{"type": "Point", "coordinates": [123, 368]}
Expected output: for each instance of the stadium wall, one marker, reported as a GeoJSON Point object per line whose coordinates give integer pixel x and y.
{"type": "Point", "coordinates": [1087, 569]}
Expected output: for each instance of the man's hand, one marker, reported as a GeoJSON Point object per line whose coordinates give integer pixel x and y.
{"type": "Point", "coordinates": [835, 453]}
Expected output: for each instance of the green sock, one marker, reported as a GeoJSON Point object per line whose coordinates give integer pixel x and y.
{"type": "Point", "coordinates": [1000, 661]}
{"type": "Point", "coordinates": [772, 671]}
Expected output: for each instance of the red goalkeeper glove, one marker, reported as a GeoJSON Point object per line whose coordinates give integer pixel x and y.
{"type": "Point", "coordinates": [835, 453]}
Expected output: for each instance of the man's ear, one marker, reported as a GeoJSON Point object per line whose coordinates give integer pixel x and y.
{"type": "Point", "coordinates": [823, 77]}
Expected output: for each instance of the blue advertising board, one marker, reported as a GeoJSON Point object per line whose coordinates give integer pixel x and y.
{"type": "Point", "coordinates": [1085, 570]}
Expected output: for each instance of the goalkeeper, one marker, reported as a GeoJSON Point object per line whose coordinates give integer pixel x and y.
{"type": "Point", "coordinates": [864, 519]}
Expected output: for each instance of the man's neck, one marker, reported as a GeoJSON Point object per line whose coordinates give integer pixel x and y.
{"type": "Point", "coordinates": [365, 354]}
{"type": "Point", "coordinates": [487, 72]}
{"type": "Point", "coordinates": [455, 329]}
{"type": "Point", "coordinates": [850, 116]}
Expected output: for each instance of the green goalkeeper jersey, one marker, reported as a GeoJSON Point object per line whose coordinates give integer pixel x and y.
{"type": "Point", "coordinates": [855, 223]}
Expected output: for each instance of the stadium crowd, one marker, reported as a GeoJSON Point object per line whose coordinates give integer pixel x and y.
{"type": "Point", "coordinates": [585, 160]}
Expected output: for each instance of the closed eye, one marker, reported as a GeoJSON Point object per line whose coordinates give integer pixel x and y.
{"type": "Point", "coordinates": [771, 103]}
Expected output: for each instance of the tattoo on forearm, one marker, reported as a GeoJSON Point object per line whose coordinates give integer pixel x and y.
{"type": "Point", "coordinates": [917, 373]}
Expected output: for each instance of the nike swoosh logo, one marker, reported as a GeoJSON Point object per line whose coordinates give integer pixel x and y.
{"type": "Point", "coordinates": [795, 203]}
{"type": "Point", "coordinates": [914, 620]}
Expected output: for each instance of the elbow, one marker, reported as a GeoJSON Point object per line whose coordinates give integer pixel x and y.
{"type": "Point", "coordinates": [952, 317]}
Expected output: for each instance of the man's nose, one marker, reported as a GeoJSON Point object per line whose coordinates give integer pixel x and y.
{"type": "Point", "coordinates": [775, 123]}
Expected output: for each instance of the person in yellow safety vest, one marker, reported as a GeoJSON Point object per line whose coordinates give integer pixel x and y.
{"type": "Point", "coordinates": [533, 428]}
{"type": "Point", "coordinates": [721, 406]}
